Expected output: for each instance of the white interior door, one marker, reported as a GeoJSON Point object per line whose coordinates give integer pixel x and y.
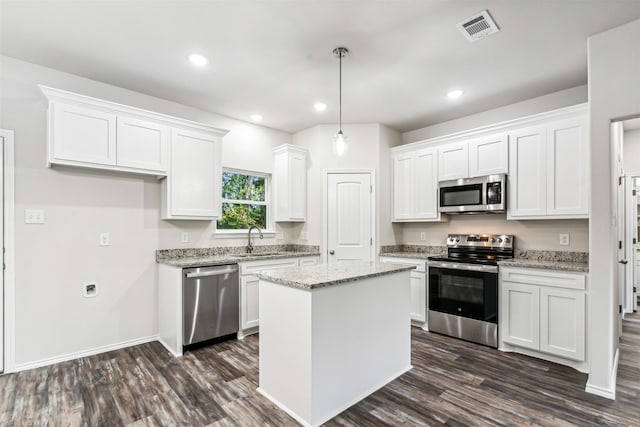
{"type": "Point", "coordinates": [349, 217]}
{"type": "Point", "coordinates": [617, 137]}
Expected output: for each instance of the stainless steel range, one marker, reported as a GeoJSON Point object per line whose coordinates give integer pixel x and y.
{"type": "Point", "coordinates": [463, 287]}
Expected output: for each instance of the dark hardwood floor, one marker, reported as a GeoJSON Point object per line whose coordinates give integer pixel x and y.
{"type": "Point", "coordinates": [452, 383]}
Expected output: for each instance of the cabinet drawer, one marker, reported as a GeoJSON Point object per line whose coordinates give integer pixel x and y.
{"type": "Point", "coordinates": [557, 279]}
{"type": "Point", "coordinates": [253, 266]}
{"type": "Point", "coordinates": [420, 264]}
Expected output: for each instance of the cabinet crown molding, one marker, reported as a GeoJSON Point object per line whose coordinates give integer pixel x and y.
{"type": "Point", "coordinates": [58, 95]}
{"type": "Point", "coordinates": [289, 147]}
{"type": "Point", "coordinates": [505, 126]}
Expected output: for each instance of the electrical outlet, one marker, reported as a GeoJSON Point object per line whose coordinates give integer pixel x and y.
{"type": "Point", "coordinates": [303, 235]}
{"type": "Point", "coordinates": [423, 235]}
{"type": "Point", "coordinates": [33, 216]}
{"type": "Point", "coordinates": [104, 239]}
{"type": "Point", "coordinates": [564, 239]}
{"type": "Point", "coordinates": [184, 238]}
{"type": "Point", "coordinates": [89, 289]}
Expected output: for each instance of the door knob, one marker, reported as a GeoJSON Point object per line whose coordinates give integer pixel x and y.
{"type": "Point", "coordinates": [624, 261]}
{"type": "Point", "coordinates": [331, 252]}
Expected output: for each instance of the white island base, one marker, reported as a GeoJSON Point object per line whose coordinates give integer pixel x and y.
{"type": "Point", "coordinates": [324, 349]}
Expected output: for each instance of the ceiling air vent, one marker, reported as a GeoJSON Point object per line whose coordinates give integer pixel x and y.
{"type": "Point", "coordinates": [478, 26]}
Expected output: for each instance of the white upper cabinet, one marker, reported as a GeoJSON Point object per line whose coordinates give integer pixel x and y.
{"type": "Point", "coordinates": [549, 176]}
{"type": "Point", "coordinates": [527, 179]}
{"type": "Point", "coordinates": [482, 156]}
{"type": "Point", "coordinates": [98, 134]}
{"type": "Point", "coordinates": [403, 184]}
{"type": "Point", "coordinates": [567, 168]}
{"type": "Point", "coordinates": [192, 189]}
{"type": "Point", "coordinates": [453, 161]}
{"type": "Point", "coordinates": [82, 135]}
{"type": "Point", "coordinates": [415, 185]}
{"type": "Point", "coordinates": [489, 155]}
{"type": "Point", "coordinates": [290, 183]}
{"type": "Point", "coordinates": [142, 144]}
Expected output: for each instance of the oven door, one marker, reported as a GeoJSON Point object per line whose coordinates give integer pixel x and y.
{"type": "Point", "coordinates": [466, 290]}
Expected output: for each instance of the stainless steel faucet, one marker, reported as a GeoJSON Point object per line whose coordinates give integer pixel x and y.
{"type": "Point", "coordinates": [249, 245]}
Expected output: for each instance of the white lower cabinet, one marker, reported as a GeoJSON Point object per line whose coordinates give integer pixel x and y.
{"type": "Point", "coordinates": [250, 287]}
{"type": "Point", "coordinates": [419, 288]}
{"type": "Point", "coordinates": [543, 314]}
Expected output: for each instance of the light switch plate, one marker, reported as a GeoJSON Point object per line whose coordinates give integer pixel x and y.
{"type": "Point", "coordinates": [303, 235]}
{"type": "Point", "coordinates": [423, 235]}
{"type": "Point", "coordinates": [564, 240]}
{"type": "Point", "coordinates": [33, 216]}
{"type": "Point", "coordinates": [104, 239]}
{"type": "Point", "coordinates": [184, 238]}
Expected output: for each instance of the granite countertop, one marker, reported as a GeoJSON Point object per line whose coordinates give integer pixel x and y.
{"type": "Point", "coordinates": [546, 264]}
{"type": "Point", "coordinates": [200, 261]}
{"type": "Point", "coordinates": [412, 251]}
{"type": "Point", "coordinates": [324, 275]}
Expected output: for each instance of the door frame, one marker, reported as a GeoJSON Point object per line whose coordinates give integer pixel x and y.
{"type": "Point", "coordinates": [325, 206]}
{"type": "Point", "coordinates": [632, 223]}
{"type": "Point", "coordinates": [9, 244]}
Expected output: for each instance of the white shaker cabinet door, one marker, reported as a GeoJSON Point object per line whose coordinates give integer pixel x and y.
{"type": "Point", "coordinates": [489, 155]}
{"type": "Point", "coordinates": [520, 315]}
{"type": "Point", "coordinates": [82, 135]}
{"type": "Point", "coordinates": [194, 177]}
{"type": "Point", "coordinates": [567, 168]}
{"type": "Point", "coordinates": [403, 185]}
{"type": "Point", "coordinates": [426, 184]}
{"type": "Point", "coordinates": [418, 296]}
{"type": "Point", "coordinates": [249, 310]}
{"type": "Point", "coordinates": [562, 323]}
{"type": "Point", "coordinates": [453, 161]}
{"type": "Point", "coordinates": [142, 144]}
{"type": "Point", "coordinates": [527, 173]}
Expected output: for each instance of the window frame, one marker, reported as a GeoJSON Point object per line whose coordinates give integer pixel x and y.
{"type": "Point", "coordinates": [237, 233]}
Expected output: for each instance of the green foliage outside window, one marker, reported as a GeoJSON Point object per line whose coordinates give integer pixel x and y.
{"type": "Point", "coordinates": [243, 202]}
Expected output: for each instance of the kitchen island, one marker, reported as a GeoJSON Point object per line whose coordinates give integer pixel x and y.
{"type": "Point", "coordinates": [330, 335]}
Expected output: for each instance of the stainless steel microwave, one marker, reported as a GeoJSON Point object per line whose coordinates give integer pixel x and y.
{"type": "Point", "coordinates": [483, 194]}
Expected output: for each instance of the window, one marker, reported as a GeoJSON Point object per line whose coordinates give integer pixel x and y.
{"type": "Point", "coordinates": [245, 201]}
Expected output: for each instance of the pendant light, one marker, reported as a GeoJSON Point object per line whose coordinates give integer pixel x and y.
{"type": "Point", "coordinates": [340, 143]}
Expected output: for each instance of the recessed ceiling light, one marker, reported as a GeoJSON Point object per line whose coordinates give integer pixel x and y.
{"type": "Point", "coordinates": [455, 94]}
{"type": "Point", "coordinates": [198, 60]}
{"type": "Point", "coordinates": [320, 106]}
{"type": "Point", "coordinates": [256, 117]}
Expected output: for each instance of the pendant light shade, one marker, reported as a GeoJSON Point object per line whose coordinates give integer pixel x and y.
{"type": "Point", "coordinates": [340, 142]}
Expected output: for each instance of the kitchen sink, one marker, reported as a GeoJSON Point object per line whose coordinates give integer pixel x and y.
{"type": "Point", "coordinates": [259, 254]}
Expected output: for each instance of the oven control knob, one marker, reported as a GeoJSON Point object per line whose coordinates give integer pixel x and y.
{"type": "Point", "coordinates": [499, 240]}
{"type": "Point", "coordinates": [457, 240]}
{"type": "Point", "coordinates": [493, 240]}
{"type": "Point", "coordinates": [506, 240]}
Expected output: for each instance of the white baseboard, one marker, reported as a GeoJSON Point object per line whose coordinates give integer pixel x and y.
{"type": "Point", "coordinates": [78, 354]}
{"type": "Point", "coordinates": [609, 393]}
{"type": "Point", "coordinates": [336, 411]}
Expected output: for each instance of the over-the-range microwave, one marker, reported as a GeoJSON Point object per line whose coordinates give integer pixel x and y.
{"type": "Point", "coordinates": [483, 194]}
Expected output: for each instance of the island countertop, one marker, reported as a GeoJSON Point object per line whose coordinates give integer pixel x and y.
{"type": "Point", "coordinates": [324, 275]}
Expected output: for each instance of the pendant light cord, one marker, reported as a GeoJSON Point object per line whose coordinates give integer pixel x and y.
{"type": "Point", "coordinates": [340, 91]}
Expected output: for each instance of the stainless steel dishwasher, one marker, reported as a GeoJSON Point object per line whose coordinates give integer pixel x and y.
{"type": "Point", "coordinates": [210, 303]}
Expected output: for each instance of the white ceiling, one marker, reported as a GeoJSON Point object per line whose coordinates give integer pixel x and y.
{"type": "Point", "coordinates": [274, 56]}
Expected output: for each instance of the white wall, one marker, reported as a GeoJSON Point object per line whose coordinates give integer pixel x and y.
{"type": "Point", "coordinates": [538, 234]}
{"type": "Point", "coordinates": [631, 151]}
{"type": "Point", "coordinates": [368, 149]}
{"type": "Point", "coordinates": [53, 259]}
{"type": "Point", "coordinates": [552, 101]}
{"type": "Point", "coordinates": [614, 93]}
